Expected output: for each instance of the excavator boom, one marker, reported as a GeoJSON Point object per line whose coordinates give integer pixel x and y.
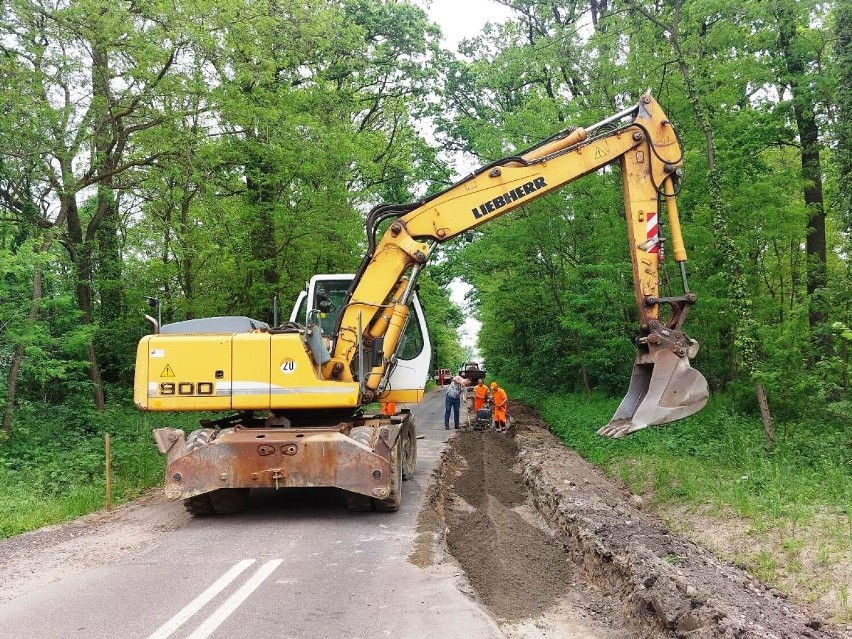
{"type": "Point", "coordinates": [664, 387]}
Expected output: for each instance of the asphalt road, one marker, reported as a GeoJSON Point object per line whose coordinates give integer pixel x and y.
{"type": "Point", "coordinates": [295, 565]}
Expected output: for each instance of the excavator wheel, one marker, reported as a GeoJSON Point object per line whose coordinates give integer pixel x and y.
{"type": "Point", "coordinates": [394, 501]}
{"type": "Point", "coordinates": [199, 505]}
{"type": "Point", "coordinates": [229, 501]}
{"type": "Point", "coordinates": [199, 438]}
{"type": "Point", "coordinates": [358, 503]}
{"type": "Point", "coordinates": [409, 452]}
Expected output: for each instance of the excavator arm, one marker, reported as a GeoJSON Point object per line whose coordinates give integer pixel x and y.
{"type": "Point", "coordinates": [297, 389]}
{"type": "Point", "coordinates": [664, 387]}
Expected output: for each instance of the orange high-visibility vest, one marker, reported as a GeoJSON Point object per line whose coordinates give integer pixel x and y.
{"type": "Point", "coordinates": [480, 392]}
{"type": "Point", "coordinates": [501, 400]}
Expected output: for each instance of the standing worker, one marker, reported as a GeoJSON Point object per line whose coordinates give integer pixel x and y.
{"type": "Point", "coordinates": [480, 394]}
{"type": "Point", "coordinates": [501, 401]}
{"type": "Point", "coordinates": [453, 400]}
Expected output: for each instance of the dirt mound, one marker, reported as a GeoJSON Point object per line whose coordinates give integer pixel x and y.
{"type": "Point", "coordinates": [516, 568]}
{"type": "Point", "coordinates": [586, 543]}
{"type": "Point", "coordinates": [487, 462]}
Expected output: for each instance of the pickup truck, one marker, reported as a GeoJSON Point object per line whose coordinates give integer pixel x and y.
{"type": "Point", "coordinates": [472, 371]}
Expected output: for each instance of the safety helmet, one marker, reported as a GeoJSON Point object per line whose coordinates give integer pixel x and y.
{"type": "Point", "coordinates": [493, 384]}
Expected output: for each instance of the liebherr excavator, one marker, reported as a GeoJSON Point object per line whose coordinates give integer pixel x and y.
{"type": "Point", "coordinates": [295, 391]}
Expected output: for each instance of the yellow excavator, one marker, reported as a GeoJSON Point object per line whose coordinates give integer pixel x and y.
{"type": "Point", "coordinates": [294, 393]}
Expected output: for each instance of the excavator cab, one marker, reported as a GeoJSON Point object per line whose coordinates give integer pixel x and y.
{"type": "Point", "coordinates": [320, 305]}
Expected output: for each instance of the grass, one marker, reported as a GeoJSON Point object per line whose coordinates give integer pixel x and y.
{"type": "Point", "coordinates": [52, 467]}
{"type": "Point", "coordinates": [783, 514]}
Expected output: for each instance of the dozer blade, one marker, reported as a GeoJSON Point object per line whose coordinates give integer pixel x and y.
{"type": "Point", "coordinates": [663, 389]}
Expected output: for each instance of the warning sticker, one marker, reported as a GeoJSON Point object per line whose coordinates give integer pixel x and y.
{"type": "Point", "coordinates": [167, 372]}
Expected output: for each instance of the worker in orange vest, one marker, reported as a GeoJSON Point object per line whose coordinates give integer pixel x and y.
{"type": "Point", "coordinates": [480, 394]}
{"type": "Point", "coordinates": [389, 408]}
{"type": "Point", "coordinates": [501, 401]}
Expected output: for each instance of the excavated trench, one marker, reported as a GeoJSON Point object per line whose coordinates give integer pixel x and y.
{"type": "Point", "coordinates": [556, 549]}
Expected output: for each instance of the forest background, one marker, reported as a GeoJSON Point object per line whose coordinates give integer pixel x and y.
{"type": "Point", "coordinates": [210, 156]}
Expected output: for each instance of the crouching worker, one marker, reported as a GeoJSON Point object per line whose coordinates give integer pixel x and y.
{"type": "Point", "coordinates": [501, 402]}
{"type": "Point", "coordinates": [452, 401]}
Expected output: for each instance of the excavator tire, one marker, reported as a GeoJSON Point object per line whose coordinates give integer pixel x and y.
{"type": "Point", "coordinates": [358, 503]}
{"type": "Point", "coordinates": [394, 501]}
{"type": "Point", "coordinates": [362, 435]}
{"type": "Point", "coordinates": [409, 452]}
{"type": "Point", "coordinates": [199, 505]}
{"type": "Point", "coordinates": [199, 438]}
{"type": "Point", "coordinates": [229, 501]}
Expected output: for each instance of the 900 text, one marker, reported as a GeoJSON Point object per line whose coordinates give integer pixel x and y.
{"type": "Point", "coordinates": [186, 388]}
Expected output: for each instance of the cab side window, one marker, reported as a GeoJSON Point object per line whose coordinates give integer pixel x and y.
{"type": "Point", "coordinates": [412, 339]}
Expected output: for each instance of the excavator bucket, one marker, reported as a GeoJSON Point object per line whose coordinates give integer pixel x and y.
{"type": "Point", "coordinates": [663, 389]}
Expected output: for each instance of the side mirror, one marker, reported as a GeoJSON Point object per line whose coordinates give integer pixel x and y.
{"type": "Point", "coordinates": [324, 304]}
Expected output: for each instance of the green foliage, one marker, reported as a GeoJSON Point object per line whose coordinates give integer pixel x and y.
{"type": "Point", "coordinates": [52, 467]}
{"type": "Point", "coordinates": [236, 146]}
{"type": "Point", "coordinates": [553, 282]}
{"type": "Point", "coordinates": [210, 156]}
{"type": "Point", "coordinates": [229, 158]}
{"type": "Point", "coordinates": [717, 457]}
{"type": "Point", "coordinates": [444, 319]}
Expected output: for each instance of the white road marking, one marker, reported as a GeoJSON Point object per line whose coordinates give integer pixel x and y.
{"type": "Point", "coordinates": [233, 602]}
{"type": "Point", "coordinates": [201, 600]}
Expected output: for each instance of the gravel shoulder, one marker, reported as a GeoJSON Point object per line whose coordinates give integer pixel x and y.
{"type": "Point", "coordinates": [35, 559]}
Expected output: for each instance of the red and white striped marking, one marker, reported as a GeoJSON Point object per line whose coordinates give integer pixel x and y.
{"type": "Point", "coordinates": [653, 230]}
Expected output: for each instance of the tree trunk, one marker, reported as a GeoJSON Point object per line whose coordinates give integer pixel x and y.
{"type": "Point", "coordinates": [21, 347]}
{"type": "Point", "coordinates": [843, 157]}
{"type": "Point", "coordinates": [109, 257]}
{"type": "Point", "coordinates": [803, 108]}
{"type": "Point", "coordinates": [768, 428]}
{"type": "Point", "coordinates": [259, 184]}
{"type": "Point", "coordinates": [80, 252]}
{"type": "Point", "coordinates": [84, 302]}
